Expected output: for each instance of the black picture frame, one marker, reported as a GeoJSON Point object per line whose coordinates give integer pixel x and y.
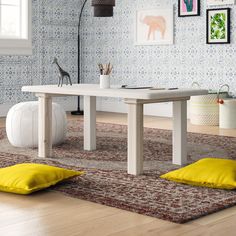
{"type": "Point", "coordinates": [197, 13]}
{"type": "Point", "coordinates": [226, 40]}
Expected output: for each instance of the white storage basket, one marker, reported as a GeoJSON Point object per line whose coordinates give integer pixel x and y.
{"type": "Point", "coordinates": [228, 114]}
{"type": "Point", "coordinates": [204, 110]}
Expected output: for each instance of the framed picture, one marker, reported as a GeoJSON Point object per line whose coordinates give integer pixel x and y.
{"type": "Point", "coordinates": [220, 2]}
{"type": "Point", "coordinates": [218, 26]}
{"type": "Point", "coordinates": [154, 26]}
{"type": "Point", "coordinates": [189, 8]}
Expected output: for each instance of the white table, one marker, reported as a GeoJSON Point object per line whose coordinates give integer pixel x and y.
{"type": "Point", "coordinates": [135, 99]}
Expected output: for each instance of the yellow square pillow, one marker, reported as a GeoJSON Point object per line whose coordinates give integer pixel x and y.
{"type": "Point", "coordinates": [207, 172]}
{"type": "Point", "coordinates": [29, 177]}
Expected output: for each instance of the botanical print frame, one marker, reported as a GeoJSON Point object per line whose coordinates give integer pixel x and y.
{"type": "Point", "coordinates": [154, 26]}
{"type": "Point", "coordinates": [220, 2]}
{"type": "Point", "coordinates": [218, 26]}
{"type": "Point", "coordinates": [188, 8]}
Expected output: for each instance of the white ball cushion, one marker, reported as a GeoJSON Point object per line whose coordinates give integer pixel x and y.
{"type": "Point", "coordinates": [22, 124]}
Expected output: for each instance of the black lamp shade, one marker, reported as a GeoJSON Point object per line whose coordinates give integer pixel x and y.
{"type": "Point", "coordinates": [103, 8]}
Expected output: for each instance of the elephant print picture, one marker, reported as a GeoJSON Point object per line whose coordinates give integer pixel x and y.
{"type": "Point", "coordinates": [154, 27]}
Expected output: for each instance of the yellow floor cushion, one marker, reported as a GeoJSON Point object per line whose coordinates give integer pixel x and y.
{"type": "Point", "coordinates": [29, 177]}
{"type": "Point", "coordinates": [207, 172]}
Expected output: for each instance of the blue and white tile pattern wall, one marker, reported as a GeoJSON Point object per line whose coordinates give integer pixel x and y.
{"type": "Point", "coordinates": [189, 59]}
{"type": "Point", "coordinates": [54, 34]}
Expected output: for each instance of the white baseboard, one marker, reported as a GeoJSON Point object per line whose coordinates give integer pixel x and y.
{"type": "Point", "coordinates": [159, 109]}
{"type": "Point", "coordinates": [70, 103]}
{"type": "Point", "coordinates": [4, 108]}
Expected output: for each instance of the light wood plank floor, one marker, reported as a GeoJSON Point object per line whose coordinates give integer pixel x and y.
{"type": "Point", "coordinates": [49, 213]}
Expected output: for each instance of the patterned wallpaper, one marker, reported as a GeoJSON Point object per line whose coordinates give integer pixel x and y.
{"type": "Point", "coordinates": [112, 39]}
{"type": "Point", "coordinates": [54, 34]}
{"type": "Point", "coordinates": [189, 59]}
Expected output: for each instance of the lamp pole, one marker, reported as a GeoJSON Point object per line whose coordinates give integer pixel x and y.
{"type": "Point", "coordinates": [102, 8]}
{"type": "Point", "coordinates": [79, 111]}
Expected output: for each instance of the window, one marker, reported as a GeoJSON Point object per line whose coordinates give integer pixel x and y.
{"type": "Point", "coordinates": [15, 27]}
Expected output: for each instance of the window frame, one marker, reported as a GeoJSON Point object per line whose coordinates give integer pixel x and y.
{"type": "Point", "coordinates": [11, 46]}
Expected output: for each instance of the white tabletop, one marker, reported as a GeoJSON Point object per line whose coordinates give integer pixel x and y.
{"type": "Point", "coordinates": [94, 90]}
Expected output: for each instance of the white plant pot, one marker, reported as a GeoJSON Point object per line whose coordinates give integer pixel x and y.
{"type": "Point", "coordinates": [228, 114]}
{"type": "Point", "coordinates": [104, 81]}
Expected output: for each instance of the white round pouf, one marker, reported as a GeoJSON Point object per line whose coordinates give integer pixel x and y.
{"type": "Point", "coordinates": [22, 124]}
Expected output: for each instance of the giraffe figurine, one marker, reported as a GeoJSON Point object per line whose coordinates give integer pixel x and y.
{"type": "Point", "coordinates": [62, 74]}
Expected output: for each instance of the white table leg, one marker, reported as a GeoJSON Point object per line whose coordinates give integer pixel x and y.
{"type": "Point", "coordinates": [89, 123]}
{"type": "Point", "coordinates": [135, 138]}
{"type": "Point", "coordinates": [44, 126]}
{"type": "Point", "coordinates": [179, 132]}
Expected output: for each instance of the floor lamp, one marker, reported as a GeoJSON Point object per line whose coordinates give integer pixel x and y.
{"type": "Point", "coordinates": [102, 8]}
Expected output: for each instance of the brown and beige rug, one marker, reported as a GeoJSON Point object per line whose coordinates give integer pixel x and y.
{"type": "Point", "coordinates": [106, 181]}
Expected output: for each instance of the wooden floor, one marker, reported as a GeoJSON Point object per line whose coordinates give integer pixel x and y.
{"type": "Point", "coordinates": [49, 213]}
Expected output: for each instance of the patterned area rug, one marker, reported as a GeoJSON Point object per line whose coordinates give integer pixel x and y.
{"type": "Point", "coordinates": [107, 182]}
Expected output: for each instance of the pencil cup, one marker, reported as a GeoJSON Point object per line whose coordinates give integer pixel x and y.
{"type": "Point", "coordinates": [104, 81]}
